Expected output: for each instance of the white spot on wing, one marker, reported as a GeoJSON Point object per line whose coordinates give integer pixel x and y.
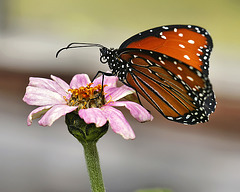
{"type": "Point", "coordinates": [186, 57]}
{"type": "Point", "coordinates": [149, 62]}
{"type": "Point", "coordinates": [163, 37]}
{"type": "Point", "coordinates": [181, 45]}
{"type": "Point", "coordinates": [179, 76]}
{"type": "Point", "coordinates": [199, 74]}
{"type": "Point", "coordinates": [190, 78]}
{"type": "Point", "coordinates": [179, 68]}
{"type": "Point", "coordinates": [149, 71]}
{"type": "Point", "coordinates": [191, 41]}
{"type": "Point", "coordinates": [180, 35]}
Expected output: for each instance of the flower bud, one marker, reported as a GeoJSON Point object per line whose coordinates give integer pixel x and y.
{"type": "Point", "coordinates": [82, 131]}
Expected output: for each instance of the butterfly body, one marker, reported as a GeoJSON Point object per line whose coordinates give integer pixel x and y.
{"type": "Point", "coordinates": [168, 66]}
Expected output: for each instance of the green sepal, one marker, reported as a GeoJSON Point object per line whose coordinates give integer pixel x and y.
{"type": "Point", "coordinates": [83, 132]}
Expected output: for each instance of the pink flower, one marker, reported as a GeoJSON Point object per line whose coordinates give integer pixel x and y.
{"type": "Point", "coordinates": [56, 98]}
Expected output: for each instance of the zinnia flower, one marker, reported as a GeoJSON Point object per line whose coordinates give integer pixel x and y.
{"type": "Point", "coordinates": [93, 103]}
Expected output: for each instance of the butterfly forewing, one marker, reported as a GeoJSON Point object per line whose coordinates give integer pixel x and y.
{"type": "Point", "coordinates": [187, 43]}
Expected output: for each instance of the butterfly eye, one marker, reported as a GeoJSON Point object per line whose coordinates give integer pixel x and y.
{"type": "Point", "coordinates": [103, 59]}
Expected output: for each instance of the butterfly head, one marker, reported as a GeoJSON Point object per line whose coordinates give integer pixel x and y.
{"type": "Point", "coordinates": [116, 65]}
{"type": "Point", "coordinates": [107, 55]}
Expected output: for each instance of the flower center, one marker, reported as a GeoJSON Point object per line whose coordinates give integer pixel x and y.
{"type": "Point", "coordinates": [87, 97]}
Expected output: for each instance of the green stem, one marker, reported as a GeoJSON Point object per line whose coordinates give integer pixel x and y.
{"type": "Point", "coordinates": [88, 135]}
{"type": "Point", "coordinates": [93, 166]}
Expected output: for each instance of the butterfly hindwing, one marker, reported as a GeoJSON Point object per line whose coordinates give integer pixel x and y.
{"type": "Point", "coordinates": [178, 91]}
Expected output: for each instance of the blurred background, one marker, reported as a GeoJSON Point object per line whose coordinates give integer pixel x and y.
{"type": "Point", "coordinates": [199, 158]}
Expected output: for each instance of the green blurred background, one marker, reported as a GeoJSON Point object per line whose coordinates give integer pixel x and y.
{"type": "Point", "coordinates": [201, 158]}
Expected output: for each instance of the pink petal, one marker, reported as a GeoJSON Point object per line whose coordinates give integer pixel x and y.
{"type": "Point", "coordinates": [93, 115]}
{"type": "Point", "coordinates": [61, 83]}
{"type": "Point", "coordinates": [46, 84]}
{"type": "Point", "coordinates": [136, 110]}
{"type": "Point", "coordinates": [55, 113]}
{"type": "Point", "coordinates": [117, 93]}
{"type": "Point", "coordinates": [42, 97]}
{"type": "Point", "coordinates": [79, 80]}
{"type": "Point", "coordinates": [110, 81]}
{"type": "Point", "coordinates": [36, 113]}
{"type": "Point", "coordinates": [118, 122]}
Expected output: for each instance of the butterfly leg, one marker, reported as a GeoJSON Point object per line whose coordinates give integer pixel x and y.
{"type": "Point", "coordinates": [141, 102]}
{"type": "Point", "coordinates": [138, 98]}
{"type": "Point", "coordinates": [103, 74]}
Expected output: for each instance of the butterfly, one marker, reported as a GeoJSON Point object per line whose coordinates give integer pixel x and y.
{"type": "Point", "coordinates": [168, 66]}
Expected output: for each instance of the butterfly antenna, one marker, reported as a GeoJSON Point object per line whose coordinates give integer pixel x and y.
{"type": "Point", "coordinates": [79, 45]}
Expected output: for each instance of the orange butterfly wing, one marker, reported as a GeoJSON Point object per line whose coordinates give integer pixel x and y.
{"type": "Point", "coordinates": [178, 91]}
{"type": "Point", "coordinates": [187, 43]}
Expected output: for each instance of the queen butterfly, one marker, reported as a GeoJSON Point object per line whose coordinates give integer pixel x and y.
{"type": "Point", "coordinates": [168, 66]}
